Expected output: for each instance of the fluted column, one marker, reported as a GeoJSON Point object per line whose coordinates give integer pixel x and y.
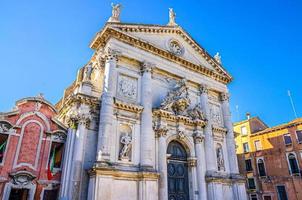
{"type": "Point", "coordinates": [201, 165]}
{"type": "Point", "coordinates": [210, 153]}
{"type": "Point", "coordinates": [161, 134]}
{"type": "Point", "coordinates": [230, 142]}
{"type": "Point", "coordinates": [147, 153]}
{"type": "Point", "coordinates": [106, 112]}
{"type": "Point", "coordinates": [83, 121]}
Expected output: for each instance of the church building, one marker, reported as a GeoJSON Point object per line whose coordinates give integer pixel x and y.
{"type": "Point", "coordinates": [148, 119]}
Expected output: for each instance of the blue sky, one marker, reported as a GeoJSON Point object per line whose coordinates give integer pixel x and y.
{"type": "Point", "coordinates": [43, 43]}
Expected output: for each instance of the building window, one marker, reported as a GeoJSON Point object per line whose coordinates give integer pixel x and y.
{"type": "Point", "coordinates": [287, 139]}
{"type": "Point", "coordinates": [261, 167]}
{"type": "Point", "coordinates": [248, 165]}
{"type": "Point", "coordinates": [56, 155]}
{"type": "Point", "coordinates": [253, 197]}
{"type": "Point", "coordinates": [251, 183]}
{"type": "Point", "coordinates": [299, 136]}
{"type": "Point", "coordinates": [246, 147]}
{"type": "Point", "coordinates": [267, 197]}
{"type": "Point", "coordinates": [243, 130]}
{"type": "Point", "coordinates": [258, 146]}
{"type": "Point", "coordinates": [292, 161]}
{"type": "Point", "coordinates": [3, 144]}
{"type": "Point", "coordinates": [281, 192]}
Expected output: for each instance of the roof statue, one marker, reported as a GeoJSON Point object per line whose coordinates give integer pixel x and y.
{"type": "Point", "coordinates": [116, 11]}
{"type": "Point", "coordinates": [172, 16]}
{"type": "Point", "coordinates": [217, 57]}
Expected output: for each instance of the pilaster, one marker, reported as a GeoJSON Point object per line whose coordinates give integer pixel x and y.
{"type": "Point", "coordinates": [210, 153]}
{"type": "Point", "coordinates": [161, 133]}
{"type": "Point", "coordinates": [106, 112]}
{"type": "Point", "coordinates": [147, 153]}
{"type": "Point", "coordinates": [201, 166]}
{"type": "Point", "coordinates": [230, 142]}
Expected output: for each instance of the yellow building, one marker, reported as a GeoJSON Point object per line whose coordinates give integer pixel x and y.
{"type": "Point", "coordinates": [270, 158]}
{"type": "Point", "coordinates": [244, 130]}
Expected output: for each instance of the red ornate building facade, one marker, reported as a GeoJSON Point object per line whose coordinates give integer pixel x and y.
{"type": "Point", "coordinates": [31, 151]}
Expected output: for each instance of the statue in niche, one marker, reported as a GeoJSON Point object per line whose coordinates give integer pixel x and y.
{"type": "Point", "coordinates": [116, 11]}
{"type": "Point", "coordinates": [126, 142]}
{"type": "Point", "coordinates": [220, 160]}
{"type": "Point", "coordinates": [87, 72]}
{"type": "Point", "coordinates": [196, 113]}
{"type": "Point", "coordinates": [177, 99]}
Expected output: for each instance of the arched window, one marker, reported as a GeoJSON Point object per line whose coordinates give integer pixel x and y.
{"type": "Point", "coordinates": [176, 151]}
{"type": "Point", "coordinates": [261, 167]}
{"type": "Point", "coordinates": [294, 169]}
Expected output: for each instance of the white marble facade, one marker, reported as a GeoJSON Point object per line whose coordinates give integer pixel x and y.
{"type": "Point", "coordinates": [159, 88]}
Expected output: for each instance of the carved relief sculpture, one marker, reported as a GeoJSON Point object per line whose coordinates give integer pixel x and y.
{"type": "Point", "coordinates": [175, 47]}
{"type": "Point", "coordinates": [196, 113]}
{"type": "Point", "coordinates": [177, 100]}
{"type": "Point", "coordinates": [127, 87]}
{"type": "Point", "coordinates": [215, 112]}
{"type": "Point", "coordinates": [5, 127]}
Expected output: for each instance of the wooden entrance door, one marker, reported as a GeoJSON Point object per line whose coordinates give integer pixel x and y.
{"type": "Point", "coordinates": [178, 184]}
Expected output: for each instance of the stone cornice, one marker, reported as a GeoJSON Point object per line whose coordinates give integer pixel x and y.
{"type": "Point", "coordinates": [108, 32]}
{"type": "Point", "coordinates": [219, 129]}
{"type": "Point", "coordinates": [128, 107]}
{"type": "Point", "coordinates": [179, 118]}
{"type": "Point", "coordinates": [80, 98]}
{"type": "Point", "coordinates": [118, 174]}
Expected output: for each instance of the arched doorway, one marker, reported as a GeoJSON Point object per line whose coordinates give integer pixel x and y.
{"type": "Point", "coordinates": [178, 184]}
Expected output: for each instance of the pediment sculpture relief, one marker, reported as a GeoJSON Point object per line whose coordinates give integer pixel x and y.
{"type": "Point", "coordinates": [196, 113]}
{"type": "Point", "coordinates": [177, 100]}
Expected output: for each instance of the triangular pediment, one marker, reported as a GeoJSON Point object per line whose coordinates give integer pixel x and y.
{"type": "Point", "coordinates": [164, 38]}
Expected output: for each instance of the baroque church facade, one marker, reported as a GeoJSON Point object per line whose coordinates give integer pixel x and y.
{"type": "Point", "coordinates": [148, 118]}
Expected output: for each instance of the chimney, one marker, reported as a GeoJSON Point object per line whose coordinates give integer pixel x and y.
{"type": "Point", "coordinates": [248, 115]}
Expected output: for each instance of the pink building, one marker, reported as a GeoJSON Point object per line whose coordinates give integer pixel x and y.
{"type": "Point", "coordinates": [31, 151]}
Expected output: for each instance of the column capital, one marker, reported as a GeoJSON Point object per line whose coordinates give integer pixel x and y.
{"type": "Point", "coordinates": [78, 115]}
{"type": "Point", "coordinates": [147, 67]}
{"type": "Point", "coordinates": [203, 89]}
{"type": "Point", "coordinates": [198, 137]}
{"type": "Point", "coordinates": [224, 96]}
{"type": "Point", "coordinates": [161, 131]}
{"type": "Point", "coordinates": [108, 54]}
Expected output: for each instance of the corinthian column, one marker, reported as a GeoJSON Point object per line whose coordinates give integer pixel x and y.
{"type": "Point", "coordinates": [210, 153]}
{"type": "Point", "coordinates": [83, 121]}
{"type": "Point", "coordinates": [106, 112]}
{"type": "Point", "coordinates": [201, 165]}
{"type": "Point", "coordinates": [147, 153]}
{"type": "Point", "coordinates": [161, 134]}
{"type": "Point", "coordinates": [230, 142]}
